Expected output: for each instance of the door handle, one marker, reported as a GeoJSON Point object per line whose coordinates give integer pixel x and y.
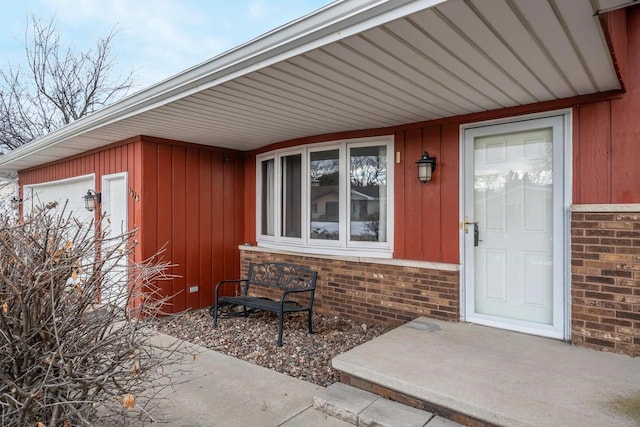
{"type": "Point", "coordinates": [467, 223]}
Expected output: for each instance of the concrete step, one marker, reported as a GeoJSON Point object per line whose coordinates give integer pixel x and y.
{"type": "Point", "coordinates": [485, 376]}
{"type": "Point", "coordinates": [365, 409]}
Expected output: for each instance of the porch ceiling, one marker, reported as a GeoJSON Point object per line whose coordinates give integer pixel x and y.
{"type": "Point", "coordinates": [357, 65]}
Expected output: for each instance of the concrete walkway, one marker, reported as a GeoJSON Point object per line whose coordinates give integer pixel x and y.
{"type": "Point", "coordinates": [219, 390]}
{"type": "Point", "coordinates": [501, 377]}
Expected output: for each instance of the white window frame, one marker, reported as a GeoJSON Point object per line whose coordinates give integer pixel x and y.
{"type": "Point", "coordinates": [279, 194]}
{"type": "Point", "coordinates": [264, 237]}
{"type": "Point", "coordinates": [305, 244]}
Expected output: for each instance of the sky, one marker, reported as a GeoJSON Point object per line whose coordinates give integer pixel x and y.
{"type": "Point", "coordinates": [156, 39]}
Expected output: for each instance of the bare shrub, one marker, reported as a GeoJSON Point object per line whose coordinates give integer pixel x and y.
{"type": "Point", "coordinates": [74, 348]}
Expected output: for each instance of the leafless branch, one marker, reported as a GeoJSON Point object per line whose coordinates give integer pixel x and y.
{"type": "Point", "coordinates": [57, 86]}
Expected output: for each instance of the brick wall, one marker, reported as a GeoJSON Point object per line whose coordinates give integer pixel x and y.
{"type": "Point", "coordinates": [605, 282]}
{"type": "Point", "coordinates": [372, 292]}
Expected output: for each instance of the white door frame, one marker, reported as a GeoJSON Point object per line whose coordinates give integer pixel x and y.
{"type": "Point", "coordinates": [105, 194]}
{"type": "Point", "coordinates": [105, 207]}
{"type": "Point", "coordinates": [561, 222]}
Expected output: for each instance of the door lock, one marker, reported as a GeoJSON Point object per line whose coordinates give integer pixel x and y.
{"type": "Point", "coordinates": [476, 230]}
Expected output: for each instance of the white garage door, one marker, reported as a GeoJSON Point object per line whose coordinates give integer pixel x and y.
{"type": "Point", "coordinates": [70, 191]}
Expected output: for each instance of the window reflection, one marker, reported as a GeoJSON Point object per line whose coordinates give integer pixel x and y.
{"type": "Point", "coordinates": [325, 195]}
{"type": "Point", "coordinates": [367, 195]}
{"type": "Point", "coordinates": [291, 168]}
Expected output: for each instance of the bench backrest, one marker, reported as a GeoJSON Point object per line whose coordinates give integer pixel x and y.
{"type": "Point", "coordinates": [282, 275]}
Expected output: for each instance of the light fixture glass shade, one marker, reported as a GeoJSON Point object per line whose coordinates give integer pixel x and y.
{"type": "Point", "coordinates": [15, 202]}
{"type": "Point", "coordinates": [424, 172]}
{"type": "Point", "coordinates": [426, 166]}
{"type": "Point", "coordinates": [91, 199]}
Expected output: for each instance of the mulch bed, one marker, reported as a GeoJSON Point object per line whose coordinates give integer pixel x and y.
{"type": "Point", "coordinates": [303, 356]}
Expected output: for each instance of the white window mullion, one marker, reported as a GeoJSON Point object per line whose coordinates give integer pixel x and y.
{"type": "Point", "coordinates": [305, 196]}
{"type": "Point", "coordinates": [277, 199]}
{"type": "Point", "coordinates": [345, 215]}
{"type": "Point", "coordinates": [265, 203]}
{"type": "Point", "coordinates": [270, 200]}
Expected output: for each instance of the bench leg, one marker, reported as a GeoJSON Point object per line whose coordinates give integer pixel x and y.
{"type": "Point", "coordinates": [310, 322]}
{"type": "Point", "coordinates": [280, 322]}
{"type": "Point", "coordinates": [215, 316]}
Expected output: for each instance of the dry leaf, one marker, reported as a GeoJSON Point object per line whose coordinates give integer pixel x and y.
{"type": "Point", "coordinates": [129, 401]}
{"type": "Point", "coordinates": [68, 245]}
{"type": "Point", "coordinates": [41, 424]}
{"type": "Point", "coordinates": [67, 423]}
{"type": "Point", "coordinates": [134, 369]}
{"type": "Point", "coordinates": [48, 360]}
{"type": "Point", "coordinates": [74, 275]}
{"type": "Point", "coordinates": [57, 254]}
{"type": "Point", "coordinates": [5, 308]}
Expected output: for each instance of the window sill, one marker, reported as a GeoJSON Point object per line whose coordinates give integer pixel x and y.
{"type": "Point", "coordinates": [331, 251]}
{"type": "Point", "coordinates": [355, 256]}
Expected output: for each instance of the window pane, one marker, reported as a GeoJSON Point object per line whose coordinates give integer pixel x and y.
{"type": "Point", "coordinates": [267, 226]}
{"type": "Point", "coordinates": [368, 194]}
{"type": "Point", "coordinates": [325, 195]}
{"type": "Point", "coordinates": [291, 195]}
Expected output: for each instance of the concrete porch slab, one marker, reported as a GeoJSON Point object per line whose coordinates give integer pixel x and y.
{"type": "Point", "coordinates": [501, 377]}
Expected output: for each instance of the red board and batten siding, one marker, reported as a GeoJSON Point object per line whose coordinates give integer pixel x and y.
{"type": "Point", "coordinates": [607, 133]}
{"type": "Point", "coordinates": [185, 198]}
{"type": "Point", "coordinates": [194, 203]}
{"type": "Point", "coordinates": [426, 215]}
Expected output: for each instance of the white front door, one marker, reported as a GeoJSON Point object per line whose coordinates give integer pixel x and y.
{"type": "Point", "coordinates": [115, 227]}
{"type": "Point", "coordinates": [514, 226]}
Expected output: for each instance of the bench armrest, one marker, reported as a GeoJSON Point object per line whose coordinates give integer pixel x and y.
{"type": "Point", "coordinates": [225, 282]}
{"type": "Point", "coordinates": [297, 291]}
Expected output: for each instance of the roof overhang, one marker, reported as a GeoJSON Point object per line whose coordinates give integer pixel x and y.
{"type": "Point", "coordinates": [356, 65]}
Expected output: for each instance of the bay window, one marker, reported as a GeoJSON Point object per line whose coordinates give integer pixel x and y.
{"type": "Point", "coordinates": [332, 198]}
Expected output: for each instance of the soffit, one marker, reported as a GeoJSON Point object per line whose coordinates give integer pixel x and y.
{"type": "Point", "coordinates": [444, 60]}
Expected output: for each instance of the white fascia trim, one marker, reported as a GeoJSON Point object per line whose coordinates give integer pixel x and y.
{"type": "Point", "coordinates": [91, 176]}
{"type": "Point", "coordinates": [333, 22]}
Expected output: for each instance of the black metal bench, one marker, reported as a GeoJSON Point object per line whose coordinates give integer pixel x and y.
{"type": "Point", "coordinates": [286, 279]}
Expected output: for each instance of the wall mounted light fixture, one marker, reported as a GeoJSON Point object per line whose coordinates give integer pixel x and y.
{"type": "Point", "coordinates": [426, 167]}
{"type": "Point", "coordinates": [15, 202]}
{"type": "Point", "coordinates": [91, 200]}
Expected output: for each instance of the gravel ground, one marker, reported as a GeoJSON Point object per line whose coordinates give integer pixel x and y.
{"type": "Point", "coordinates": [303, 356]}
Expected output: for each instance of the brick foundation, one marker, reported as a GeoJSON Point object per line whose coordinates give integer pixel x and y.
{"type": "Point", "coordinates": [405, 399]}
{"type": "Point", "coordinates": [605, 281]}
{"type": "Point", "coordinates": [370, 292]}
